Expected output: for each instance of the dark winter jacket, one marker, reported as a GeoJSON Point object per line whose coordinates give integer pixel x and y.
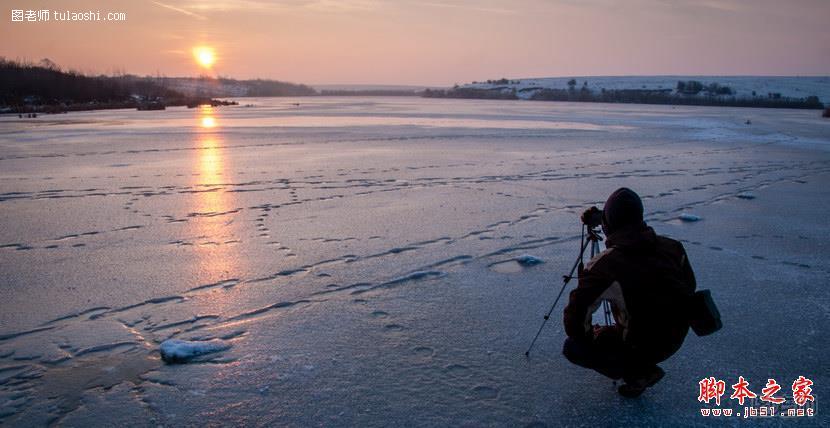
{"type": "Point", "coordinates": [647, 279]}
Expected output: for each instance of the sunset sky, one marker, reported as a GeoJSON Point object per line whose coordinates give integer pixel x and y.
{"type": "Point", "coordinates": [432, 42]}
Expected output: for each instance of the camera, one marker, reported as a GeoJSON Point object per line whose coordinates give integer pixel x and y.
{"type": "Point", "coordinates": [592, 217]}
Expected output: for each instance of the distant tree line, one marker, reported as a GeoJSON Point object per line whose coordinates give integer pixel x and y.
{"type": "Point", "coordinates": [271, 88]}
{"type": "Point", "coordinates": [502, 81]}
{"type": "Point", "coordinates": [665, 96]}
{"type": "Point", "coordinates": [226, 87]}
{"type": "Point", "coordinates": [23, 83]}
{"type": "Point", "coordinates": [44, 86]}
{"type": "Point", "coordinates": [694, 87]}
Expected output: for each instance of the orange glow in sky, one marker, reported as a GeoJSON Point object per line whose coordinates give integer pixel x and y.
{"type": "Point", "coordinates": [431, 42]}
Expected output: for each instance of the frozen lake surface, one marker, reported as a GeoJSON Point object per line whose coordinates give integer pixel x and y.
{"type": "Point", "coordinates": [365, 262]}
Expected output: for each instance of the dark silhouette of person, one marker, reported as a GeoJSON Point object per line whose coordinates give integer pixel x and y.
{"type": "Point", "coordinates": [647, 280]}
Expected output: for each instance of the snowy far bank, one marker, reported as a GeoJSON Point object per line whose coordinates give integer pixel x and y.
{"type": "Point", "coordinates": [743, 86]}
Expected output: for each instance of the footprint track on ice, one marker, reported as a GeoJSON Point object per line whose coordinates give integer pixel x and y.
{"type": "Point", "coordinates": [457, 370]}
{"type": "Point", "coordinates": [280, 247]}
{"type": "Point", "coordinates": [423, 352]}
{"type": "Point", "coordinates": [391, 327]}
{"type": "Point", "coordinates": [394, 327]}
{"type": "Point", "coordinates": [484, 392]}
{"type": "Point", "coordinates": [795, 264]}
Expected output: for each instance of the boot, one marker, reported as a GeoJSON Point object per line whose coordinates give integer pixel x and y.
{"type": "Point", "coordinates": [632, 388]}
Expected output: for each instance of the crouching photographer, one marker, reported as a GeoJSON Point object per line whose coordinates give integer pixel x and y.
{"type": "Point", "coordinates": [648, 282]}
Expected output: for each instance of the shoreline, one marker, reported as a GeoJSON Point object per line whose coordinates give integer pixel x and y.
{"type": "Point", "coordinates": [217, 102]}
{"type": "Point", "coordinates": [141, 106]}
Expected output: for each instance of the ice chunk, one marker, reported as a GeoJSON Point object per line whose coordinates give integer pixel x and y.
{"type": "Point", "coordinates": [528, 260]}
{"type": "Point", "coordinates": [181, 351]}
{"type": "Point", "coordinates": [688, 217]}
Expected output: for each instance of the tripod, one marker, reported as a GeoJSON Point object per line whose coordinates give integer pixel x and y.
{"type": "Point", "coordinates": [592, 239]}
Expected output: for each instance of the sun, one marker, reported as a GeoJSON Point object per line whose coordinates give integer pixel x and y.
{"type": "Point", "coordinates": [205, 56]}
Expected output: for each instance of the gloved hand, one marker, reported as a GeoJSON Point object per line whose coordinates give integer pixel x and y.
{"type": "Point", "coordinates": [608, 336]}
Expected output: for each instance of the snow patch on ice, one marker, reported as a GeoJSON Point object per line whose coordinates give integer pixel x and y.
{"type": "Point", "coordinates": [516, 264]}
{"type": "Point", "coordinates": [181, 351]}
{"type": "Point", "coordinates": [746, 195]}
{"type": "Point", "coordinates": [689, 217]}
{"type": "Point", "coordinates": [528, 260]}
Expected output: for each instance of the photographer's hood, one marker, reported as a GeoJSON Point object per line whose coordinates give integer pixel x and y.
{"type": "Point", "coordinates": [622, 209]}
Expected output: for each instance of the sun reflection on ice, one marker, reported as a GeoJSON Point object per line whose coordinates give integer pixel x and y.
{"type": "Point", "coordinates": [214, 206]}
{"type": "Point", "coordinates": [208, 122]}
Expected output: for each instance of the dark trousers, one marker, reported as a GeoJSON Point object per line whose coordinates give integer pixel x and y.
{"type": "Point", "coordinates": [607, 354]}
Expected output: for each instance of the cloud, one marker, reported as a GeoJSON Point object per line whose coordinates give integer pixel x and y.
{"type": "Point", "coordinates": [726, 6]}
{"type": "Point", "coordinates": [332, 6]}
{"type": "Point", "coordinates": [342, 6]}
{"type": "Point", "coordinates": [180, 10]}
{"type": "Point", "coordinates": [470, 6]}
{"type": "Point", "coordinates": [716, 5]}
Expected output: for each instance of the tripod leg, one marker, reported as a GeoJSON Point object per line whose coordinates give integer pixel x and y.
{"type": "Point", "coordinates": [567, 278]}
{"type": "Point", "coordinates": [607, 309]}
